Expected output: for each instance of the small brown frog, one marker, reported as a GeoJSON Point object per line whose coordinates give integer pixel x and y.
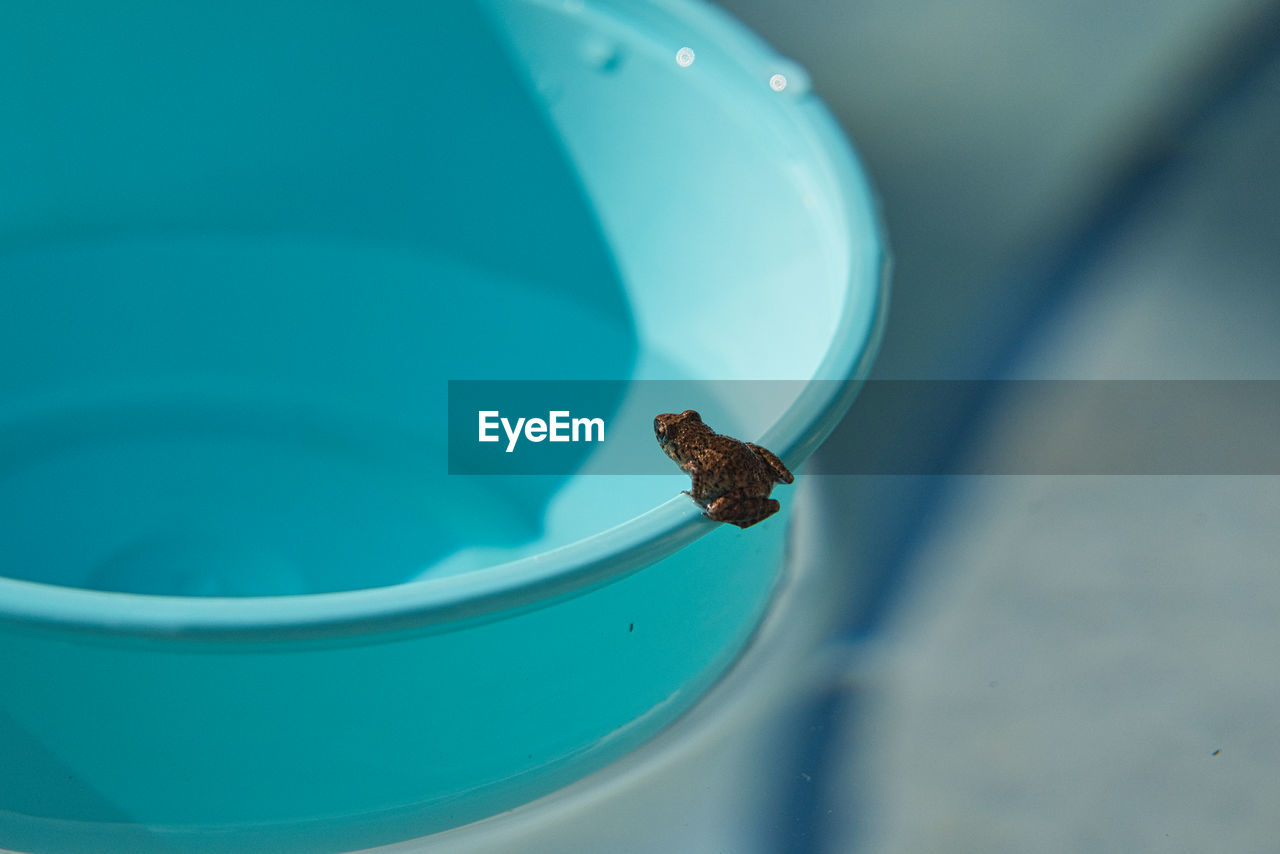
{"type": "Point", "coordinates": [731, 479]}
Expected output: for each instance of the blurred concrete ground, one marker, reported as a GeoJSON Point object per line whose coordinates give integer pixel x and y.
{"type": "Point", "coordinates": [1081, 190]}
{"type": "Point", "coordinates": [1090, 663]}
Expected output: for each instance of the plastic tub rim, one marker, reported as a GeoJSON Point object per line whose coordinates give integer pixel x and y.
{"type": "Point", "coordinates": [521, 584]}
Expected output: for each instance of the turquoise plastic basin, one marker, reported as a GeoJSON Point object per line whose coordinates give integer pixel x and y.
{"type": "Point", "coordinates": [242, 251]}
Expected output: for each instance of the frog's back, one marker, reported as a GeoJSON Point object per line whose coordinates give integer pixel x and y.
{"type": "Point", "coordinates": [737, 464]}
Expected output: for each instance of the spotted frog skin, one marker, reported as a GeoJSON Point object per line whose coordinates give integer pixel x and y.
{"type": "Point", "coordinates": [731, 479]}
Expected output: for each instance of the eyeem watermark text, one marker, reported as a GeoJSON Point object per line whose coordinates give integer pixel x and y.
{"type": "Point", "coordinates": [557, 427]}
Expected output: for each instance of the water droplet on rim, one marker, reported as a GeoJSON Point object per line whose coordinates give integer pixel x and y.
{"type": "Point", "coordinates": [789, 77]}
{"type": "Point", "coordinates": [684, 57]}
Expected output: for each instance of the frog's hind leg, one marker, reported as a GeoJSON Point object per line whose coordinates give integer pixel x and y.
{"type": "Point", "coordinates": [781, 473]}
{"type": "Point", "coordinates": [742, 510]}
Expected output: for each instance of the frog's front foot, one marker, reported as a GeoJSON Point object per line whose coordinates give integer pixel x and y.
{"type": "Point", "coordinates": [742, 510]}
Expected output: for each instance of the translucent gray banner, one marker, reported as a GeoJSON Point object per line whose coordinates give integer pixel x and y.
{"type": "Point", "coordinates": [902, 427]}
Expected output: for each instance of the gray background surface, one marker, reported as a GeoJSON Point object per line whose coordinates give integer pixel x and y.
{"type": "Point", "coordinates": [1078, 190]}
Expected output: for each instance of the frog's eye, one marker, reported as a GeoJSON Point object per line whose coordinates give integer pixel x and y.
{"type": "Point", "coordinates": [692, 415]}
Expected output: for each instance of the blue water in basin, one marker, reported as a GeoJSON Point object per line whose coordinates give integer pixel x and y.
{"type": "Point", "coordinates": [261, 416]}
{"type": "Point", "coordinates": [240, 260]}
